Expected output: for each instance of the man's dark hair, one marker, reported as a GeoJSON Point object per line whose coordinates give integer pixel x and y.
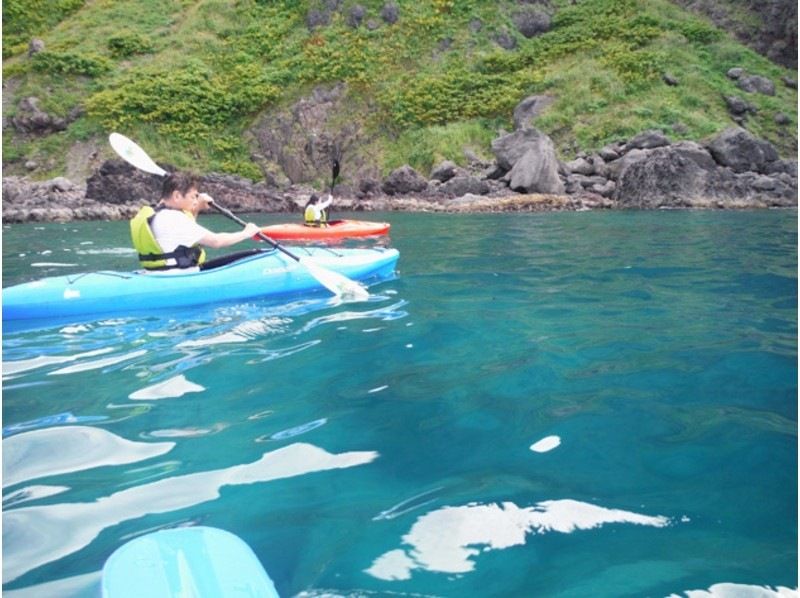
{"type": "Point", "coordinates": [178, 181]}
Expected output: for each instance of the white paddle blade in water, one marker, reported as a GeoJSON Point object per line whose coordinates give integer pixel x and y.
{"type": "Point", "coordinates": [336, 283]}
{"type": "Point", "coordinates": [134, 155]}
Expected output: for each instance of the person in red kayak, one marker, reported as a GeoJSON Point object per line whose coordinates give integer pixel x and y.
{"type": "Point", "coordinates": [316, 213]}
{"type": "Point", "coordinates": [169, 238]}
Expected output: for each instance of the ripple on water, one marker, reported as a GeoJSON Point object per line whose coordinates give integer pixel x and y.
{"type": "Point", "coordinates": [28, 531]}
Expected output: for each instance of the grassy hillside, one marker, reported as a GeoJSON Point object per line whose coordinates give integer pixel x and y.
{"type": "Point", "coordinates": [188, 78]}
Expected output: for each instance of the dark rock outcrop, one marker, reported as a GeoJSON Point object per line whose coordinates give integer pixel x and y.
{"type": "Point", "coordinates": [739, 150]}
{"type": "Point", "coordinates": [767, 26]}
{"type": "Point", "coordinates": [444, 171]}
{"type": "Point", "coordinates": [117, 182]}
{"type": "Point", "coordinates": [463, 185]}
{"type": "Point", "coordinates": [404, 181]}
{"type": "Point", "coordinates": [32, 119]}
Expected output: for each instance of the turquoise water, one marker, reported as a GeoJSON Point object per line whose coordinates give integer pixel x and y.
{"type": "Point", "coordinates": [576, 404]}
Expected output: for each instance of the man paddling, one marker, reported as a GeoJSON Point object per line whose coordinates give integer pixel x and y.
{"type": "Point", "coordinates": [169, 238]}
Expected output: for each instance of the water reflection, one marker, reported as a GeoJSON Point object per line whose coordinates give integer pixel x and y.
{"type": "Point", "coordinates": [738, 590]}
{"type": "Point", "coordinates": [54, 451]}
{"type": "Point", "coordinates": [11, 368]}
{"type": "Point", "coordinates": [173, 388]}
{"type": "Point", "coordinates": [446, 540]}
{"type": "Point", "coordinates": [37, 535]}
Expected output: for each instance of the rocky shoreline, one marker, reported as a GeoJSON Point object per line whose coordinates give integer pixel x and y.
{"type": "Point", "coordinates": [734, 170]}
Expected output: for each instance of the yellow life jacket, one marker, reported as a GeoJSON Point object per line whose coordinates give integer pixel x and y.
{"type": "Point", "coordinates": [151, 255]}
{"type": "Point", "coordinates": [309, 214]}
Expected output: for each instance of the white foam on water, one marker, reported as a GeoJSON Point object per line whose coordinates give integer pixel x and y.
{"type": "Point", "coordinates": [546, 444]}
{"type": "Point", "coordinates": [377, 389]}
{"type": "Point", "coordinates": [738, 590]}
{"type": "Point", "coordinates": [169, 389]}
{"type": "Point", "coordinates": [447, 539]}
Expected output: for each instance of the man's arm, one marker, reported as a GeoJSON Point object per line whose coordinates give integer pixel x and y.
{"type": "Point", "coordinates": [217, 240]}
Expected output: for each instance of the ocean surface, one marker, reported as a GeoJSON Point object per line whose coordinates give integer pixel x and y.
{"type": "Point", "coordinates": [563, 404]}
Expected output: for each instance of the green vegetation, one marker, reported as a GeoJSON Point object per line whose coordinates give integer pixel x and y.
{"type": "Point", "coordinates": [187, 79]}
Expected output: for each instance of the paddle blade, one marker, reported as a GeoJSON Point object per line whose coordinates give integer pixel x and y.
{"type": "Point", "coordinates": [336, 283]}
{"type": "Point", "coordinates": [134, 155]}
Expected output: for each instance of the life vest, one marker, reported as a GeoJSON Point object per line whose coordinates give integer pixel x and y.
{"type": "Point", "coordinates": [310, 220]}
{"type": "Point", "coordinates": [151, 255]}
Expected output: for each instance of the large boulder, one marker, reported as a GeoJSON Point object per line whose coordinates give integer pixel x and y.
{"type": "Point", "coordinates": [667, 176]}
{"type": "Point", "coordinates": [404, 181]}
{"type": "Point", "coordinates": [509, 148]}
{"type": "Point", "coordinates": [686, 175]}
{"type": "Point", "coordinates": [741, 151]}
{"type": "Point", "coordinates": [536, 172]}
{"type": "Point", "coordinates": [117, 182]}
{"type": "Point", "coordinates": [530, 159]}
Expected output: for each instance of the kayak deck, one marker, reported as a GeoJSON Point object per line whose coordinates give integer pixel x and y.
{"type": "Point", "coordinates": [336, 229]}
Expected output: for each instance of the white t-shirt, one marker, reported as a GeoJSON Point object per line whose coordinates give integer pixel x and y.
{"type": "Point", "coordinates": [172, 228]}
{"type": "Point", "coordinates": [318, 207]}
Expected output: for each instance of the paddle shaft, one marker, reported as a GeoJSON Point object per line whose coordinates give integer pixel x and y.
{"type": "Point", "coordinates": [262, 236]}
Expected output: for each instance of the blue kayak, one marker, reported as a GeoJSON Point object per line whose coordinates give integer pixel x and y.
{"type": "Point", "coordinates": [191, 561]}
{"type": "Point", "coordinates": [268, 274]}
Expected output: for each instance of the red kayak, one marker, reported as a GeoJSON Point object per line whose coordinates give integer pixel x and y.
{"type": "Point", "coordinates": [336, 229]}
